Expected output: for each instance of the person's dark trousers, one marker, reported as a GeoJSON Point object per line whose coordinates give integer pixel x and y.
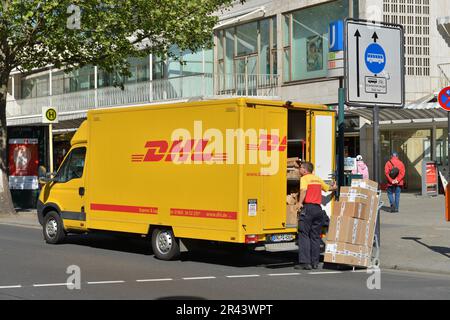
{"type": "Point", "coordinates": [310, 227]}
{"type": "Point", "coordinates": [393, 193]}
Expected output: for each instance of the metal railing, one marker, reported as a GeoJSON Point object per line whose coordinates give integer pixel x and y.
{"type": "Point", "coordinates": [445, 74]}
{"type": "Point", "coordinates": [176, 88]}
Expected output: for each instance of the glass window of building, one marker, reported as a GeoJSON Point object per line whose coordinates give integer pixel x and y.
{"type": "Point", "coordinates": [35, 86]}
{"type": "Point", "coordinates": [245, 52]}
{"type": "Point", "coordinates": [247, 38]}
{"type": "Point", "coordinates": [139, 68]}
{"type": "Point", "coordinates": [139, 72]}
{"type": "Point", "coordinates": [158, 66]}
{"type": "Point", "coordinates": [305, 40]}
{"type": "Point", "coordinates": [76, 80]}
{"type": "Point", "coordinates": [192, 63]}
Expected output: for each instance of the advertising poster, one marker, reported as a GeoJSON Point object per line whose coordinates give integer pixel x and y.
{"type": "Point", "coordinates": [314, 53]}
{"type": "Point", "coordinates": [23, 164]}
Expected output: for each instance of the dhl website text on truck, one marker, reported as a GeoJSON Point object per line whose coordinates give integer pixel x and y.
{"type": "Point", "coordinates": [218, 170]}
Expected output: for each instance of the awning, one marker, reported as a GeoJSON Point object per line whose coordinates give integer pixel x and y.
{"type": "Point", "coordinates": [424, 110]}
{"type": "Point", "coordinates": [443, 25]}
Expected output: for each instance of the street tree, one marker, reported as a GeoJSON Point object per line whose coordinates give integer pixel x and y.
{"type": "Point", "coordinates": [69, 34]}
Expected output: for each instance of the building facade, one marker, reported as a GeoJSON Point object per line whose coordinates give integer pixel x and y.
{"type": "Point", "coordinates": [276, 49]}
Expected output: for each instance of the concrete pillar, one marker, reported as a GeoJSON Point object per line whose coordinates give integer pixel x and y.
{"type": "Point", "coordinates": [433, 143]}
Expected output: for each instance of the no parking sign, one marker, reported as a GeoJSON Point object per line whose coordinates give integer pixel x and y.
{"type": "Point", "coordinates": [444, 98]}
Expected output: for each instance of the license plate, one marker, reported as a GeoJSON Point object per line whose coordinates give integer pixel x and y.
{"type": "Point", "coordinates": [275, 238]}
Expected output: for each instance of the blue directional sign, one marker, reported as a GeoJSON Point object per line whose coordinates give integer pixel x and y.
{"type": "Point", "coordinates": [336, 38]}
{"type": "Point", "coordinates": [375, 58]}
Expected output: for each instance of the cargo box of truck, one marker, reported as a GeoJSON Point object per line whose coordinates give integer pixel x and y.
{"type": "Point", "coordinates": [209, 170]}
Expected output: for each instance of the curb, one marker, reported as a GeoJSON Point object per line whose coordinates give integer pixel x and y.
{"type": "Point", "coordinates": [414, 269]}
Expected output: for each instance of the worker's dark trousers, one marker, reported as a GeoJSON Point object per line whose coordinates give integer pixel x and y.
{"type": "Point", "coordinates": [310, 227]}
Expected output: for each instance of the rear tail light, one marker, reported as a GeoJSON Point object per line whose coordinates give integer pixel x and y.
{"type": "Point", "coordinates": [251, 238]}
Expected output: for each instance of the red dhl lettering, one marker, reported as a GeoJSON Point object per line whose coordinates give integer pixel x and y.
{"type": "Point", "coordinates": [194, 150]}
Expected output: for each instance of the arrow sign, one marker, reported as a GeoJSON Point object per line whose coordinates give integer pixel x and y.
{"type": "Point", "coordinates": [357, 35]}
{"type": "Point", "coordinates": [375, 37]}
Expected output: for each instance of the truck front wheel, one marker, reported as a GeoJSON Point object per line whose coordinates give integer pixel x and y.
{"type": "Point", "coordinates": [53, 228]}
{"type": "Point", "coordinates": [165, 245]}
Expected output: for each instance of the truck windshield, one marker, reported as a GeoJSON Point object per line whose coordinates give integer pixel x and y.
{"type": "Point", "coordinates": [73, 166]}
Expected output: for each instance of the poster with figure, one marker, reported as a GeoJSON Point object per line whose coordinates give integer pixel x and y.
{"type": "Point", "coordinates": [314, 53]}
{"type": "Point", "coordinates": [23, 164]}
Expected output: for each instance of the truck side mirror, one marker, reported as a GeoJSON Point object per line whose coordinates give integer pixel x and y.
{"type": "Point", "coordinates": [42, 172]}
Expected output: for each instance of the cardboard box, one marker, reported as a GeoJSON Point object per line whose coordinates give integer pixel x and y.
{"type": "Point", "coordinates": [365, 184]}
{"type": "Point", "coordinates": [350, 209]}
{"type": "Point", "coordinates": [369, 233]}
{"type": "Point", "coordinates": [293, 174]}
{"type": "Point", "coordinates": [292, 162]}
{"type": "Point", "coordinates": [292, 198]}
{"type": "Point", "coordinates": [348, 230]}
{"type": "Point", "coordinates": [291, 215]}
{"type": "Point", "coordinates": [359, 195]}
{"type": "Point", "coordinates": [344, 253]}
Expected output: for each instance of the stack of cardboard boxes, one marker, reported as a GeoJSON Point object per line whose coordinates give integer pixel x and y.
{"type": "Point", "coordinates": [293, 174]}
{"type": "Point", "coordinates": [352, 225]}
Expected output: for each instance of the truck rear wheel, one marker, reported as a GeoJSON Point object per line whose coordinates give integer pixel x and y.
{"type": "Point", "coordinates": [165, 245]}
{"type": "Point", "coordinates": [53, 228]}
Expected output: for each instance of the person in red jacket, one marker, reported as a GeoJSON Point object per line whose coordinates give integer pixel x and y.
{"type": "Point", "coordinates": [395, 175]}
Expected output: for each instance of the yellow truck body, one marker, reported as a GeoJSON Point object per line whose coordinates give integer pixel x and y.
{"type": "Point", "coordinates": [134, 169]}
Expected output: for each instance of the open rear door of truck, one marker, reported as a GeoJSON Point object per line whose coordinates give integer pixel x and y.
{"type": "Point", "coordinates": [322, 143]}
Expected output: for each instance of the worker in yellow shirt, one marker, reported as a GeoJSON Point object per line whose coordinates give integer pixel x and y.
{"type": "Point", "coordinates": [311, 217]}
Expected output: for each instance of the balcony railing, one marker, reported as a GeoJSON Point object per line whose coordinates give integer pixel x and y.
{"type": "Point", "coordinates": [178, 88]}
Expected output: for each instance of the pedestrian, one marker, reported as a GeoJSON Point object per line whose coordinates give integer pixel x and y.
{"type": "Point", "coordinates": [311, 217]}
{"type": "Point", "coordinates": [361, 167]}
{"type": "Point", "coordinates": [395, 175]}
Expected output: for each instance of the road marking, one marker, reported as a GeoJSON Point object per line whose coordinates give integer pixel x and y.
{"type": "Point", "coordinates": [106, 282]}
{"type": "Point", "coordinates": [154, 280]}
{"type": "Point", "coordinates": [283, 274]}
{"type": "Point", "coordinates": [11, 287]}
{"type": "Point", "coordinates": [245, 276]}
{"type": "Point", "coordinates": [199, 278]}
{"type": "Point", "coordinates": [52, 285]}
{"type": "Point", "coordinates": [329, 272]}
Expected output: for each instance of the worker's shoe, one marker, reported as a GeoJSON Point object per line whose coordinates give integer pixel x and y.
{"type": "Point", "coordinates": [303, 266]}
{"type": "Point", "coordinates": [315, 266]}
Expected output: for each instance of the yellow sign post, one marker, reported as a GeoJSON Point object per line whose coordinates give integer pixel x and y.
{"type": "Point", "coordinates": [50, 116]}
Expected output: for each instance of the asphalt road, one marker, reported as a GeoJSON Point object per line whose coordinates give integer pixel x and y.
{"type": "Point", "coordinates": [117, 268]}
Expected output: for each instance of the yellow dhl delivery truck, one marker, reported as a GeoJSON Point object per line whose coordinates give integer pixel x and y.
{"type": "Point", "coordinates": [209, 170]}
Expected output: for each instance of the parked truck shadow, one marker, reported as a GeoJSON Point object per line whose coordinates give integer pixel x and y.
{"type": "Point", "coordinates": [445, 251]}
{"type": "Point", "coordinates": [216, 254]}
{"type": "Point", "coordinates": [113, 242]}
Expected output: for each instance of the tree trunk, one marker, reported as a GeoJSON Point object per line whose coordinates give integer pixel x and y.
{"type": "Point", "coordinates": [6, 204]}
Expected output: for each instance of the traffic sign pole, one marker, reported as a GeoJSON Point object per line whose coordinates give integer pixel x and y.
{"type": "Point", "coordinates": [376, 157]}
{"type": "Point", "coordinates": [50, 144]}
{"type": "Point", "coordinates": [341, 128]}
{"type": "Point", "coordinates": [448, 145]}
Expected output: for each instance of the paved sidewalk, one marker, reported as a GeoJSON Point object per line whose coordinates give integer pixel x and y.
{"type": "Point", "coordinates": [23, 218]}
{"type": "Point", "coordinates": [416, 239]}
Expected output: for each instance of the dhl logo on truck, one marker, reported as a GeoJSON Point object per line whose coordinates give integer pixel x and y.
{"type": "Point", "coordinates": [238, 147]}
{"type": "Point", "coordinates": [194, 150]}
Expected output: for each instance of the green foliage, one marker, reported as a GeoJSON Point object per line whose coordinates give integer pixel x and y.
{"type": "Point", "coordinates": [36, 33]}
